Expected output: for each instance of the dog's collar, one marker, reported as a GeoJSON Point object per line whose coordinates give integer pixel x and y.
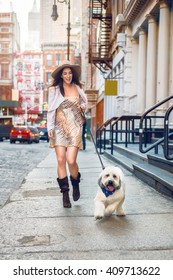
{"type": "Point", "coordinates": [107, 192]}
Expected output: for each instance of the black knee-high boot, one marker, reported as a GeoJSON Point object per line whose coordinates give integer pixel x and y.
{"type": "Point", "coordinates": [64, 187]}
{"type": "Point", "coordinates": [75, 184]}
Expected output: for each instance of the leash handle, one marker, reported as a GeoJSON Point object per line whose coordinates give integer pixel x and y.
{"type": "Point", "coordinates": [97, 150]}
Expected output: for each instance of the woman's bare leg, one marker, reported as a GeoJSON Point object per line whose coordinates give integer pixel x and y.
{"type": "Point", "coordinates": [61, 161]}
{"type": "Point", "coordinates": [71, 160]}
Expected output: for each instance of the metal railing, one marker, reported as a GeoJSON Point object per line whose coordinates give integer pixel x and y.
{"type": "Point", "coordinates": [121, 130]}
{"type": "Point", "coordinates": [166, 134]}
{"type": "Point", "coordinates": [140, 130]}
{"type": "Point", "coordinates": [102, 132]}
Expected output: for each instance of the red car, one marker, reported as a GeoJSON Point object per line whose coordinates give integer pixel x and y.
{"type": "Point", "coordinates": [24, 134]}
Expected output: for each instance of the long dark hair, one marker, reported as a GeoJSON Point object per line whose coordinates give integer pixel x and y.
{"type": "Point", "coordinates": [58, 81]}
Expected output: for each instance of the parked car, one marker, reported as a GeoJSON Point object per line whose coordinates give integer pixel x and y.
{"type": "Point", "coordinates": [43, 135]}
{"type": "Point", "coordinates": [23, 134]}
{"type": "Point", "coordinates": [6, 124]}
{"type": "Point", "coordinates": [35, 134]}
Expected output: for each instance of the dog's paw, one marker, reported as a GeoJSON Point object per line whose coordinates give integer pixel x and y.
{"type": "Point", "coordinates": [120, 213]}
{"type": "Point", "coordinates": [98, 217]}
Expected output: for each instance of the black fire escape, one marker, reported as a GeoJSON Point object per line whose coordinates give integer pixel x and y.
{"type": "Point", "coordinates": [100, 26]}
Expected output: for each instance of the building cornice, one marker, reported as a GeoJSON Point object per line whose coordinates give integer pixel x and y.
{"type": "Point", "coordinates": [133, 9]}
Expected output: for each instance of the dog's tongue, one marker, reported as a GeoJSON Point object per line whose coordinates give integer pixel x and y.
{"type": "Point", "coordinates": [110, 188]}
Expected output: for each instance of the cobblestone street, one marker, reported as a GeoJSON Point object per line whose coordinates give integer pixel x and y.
{"type": "Point", "coordinates": [16, 161]}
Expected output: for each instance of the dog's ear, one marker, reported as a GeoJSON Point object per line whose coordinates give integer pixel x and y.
{"type": "Point", "coordinates": [120, 182]}
{"type": "Point", "coordinates": [100, 180]}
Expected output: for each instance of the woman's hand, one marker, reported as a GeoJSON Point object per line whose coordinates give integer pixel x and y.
{"type": "Point", "coordinates": [83, 107]}
{"type": "Point", "coordinates": [50, 133]}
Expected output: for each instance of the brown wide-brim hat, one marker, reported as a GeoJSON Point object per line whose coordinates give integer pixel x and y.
{"type": "Point", "coordinates": [66, 63]}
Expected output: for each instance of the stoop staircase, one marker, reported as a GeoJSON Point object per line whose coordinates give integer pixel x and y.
{"type": "Point", "coordinates": [152, 169]}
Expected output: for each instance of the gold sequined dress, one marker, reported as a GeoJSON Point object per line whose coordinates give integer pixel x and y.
{"type": "Point", "coordinates": [68, 123]}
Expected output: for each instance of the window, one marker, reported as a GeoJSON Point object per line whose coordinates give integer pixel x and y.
{"type": "Point", "coordinates": [49, 60]}
{"type": "Point", "coordinates": [19, 66]}
{"type": "Point", "coordinates": [4, 29]}
{"type": "Point", "coordinates": [57, 59]}
{"type": "Point", "coordinates": [5, 48]}
{"type": "Point", "coordinates": [4, 70]}
{"type": "Point", "coordinates": [48, 77]}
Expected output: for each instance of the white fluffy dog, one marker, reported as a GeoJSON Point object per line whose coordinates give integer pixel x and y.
{"type": "Point", "coordinates": [111, 193]}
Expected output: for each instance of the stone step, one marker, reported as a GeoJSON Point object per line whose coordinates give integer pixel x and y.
{"type": "Point", "coordinates": [157, 178]}
{"type": "Point", "coordinates": [138, 164]}
{"type": "Point", "coordinates": [161, 162]}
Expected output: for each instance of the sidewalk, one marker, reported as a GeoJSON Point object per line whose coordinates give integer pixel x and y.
{"type": "Point", "coordinates": [34, 225]}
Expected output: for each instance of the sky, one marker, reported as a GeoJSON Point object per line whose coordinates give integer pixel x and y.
{"type": "Point", "coordinates": [21, 8]}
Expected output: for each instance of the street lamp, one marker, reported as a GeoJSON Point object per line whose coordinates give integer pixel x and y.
{"type": "Point", "coordinates": [54, 16]}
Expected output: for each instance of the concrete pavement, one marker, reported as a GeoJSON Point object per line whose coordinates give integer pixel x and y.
{"type": "Point", "coordinates": [34, 225]}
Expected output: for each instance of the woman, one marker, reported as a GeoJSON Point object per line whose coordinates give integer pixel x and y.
{"type": "Point", "coordinates": [67, 104]}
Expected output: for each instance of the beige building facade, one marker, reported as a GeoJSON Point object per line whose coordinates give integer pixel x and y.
{"type": "Point", "coordinates": [141, 51]}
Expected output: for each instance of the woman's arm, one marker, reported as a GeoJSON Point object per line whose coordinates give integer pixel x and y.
{"type": "Point", "coordinates": [84, 101]}
{"type": "Point", "coordinates": [51, 113]}
{"type": "Point", "coordinates": [50, 120]}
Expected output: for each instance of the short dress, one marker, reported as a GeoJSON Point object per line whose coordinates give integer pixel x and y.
{"type": "Point", "coordinates": [68, 123]}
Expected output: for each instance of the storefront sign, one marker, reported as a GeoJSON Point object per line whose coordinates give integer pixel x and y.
{"type": "Point", "coordinates": [111, 87]}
